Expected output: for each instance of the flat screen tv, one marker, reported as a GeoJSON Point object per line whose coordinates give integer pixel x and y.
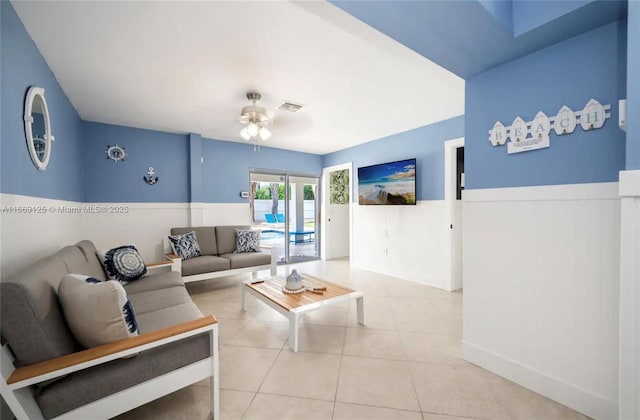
{"type": "Point", "coordinates": [392, 183]}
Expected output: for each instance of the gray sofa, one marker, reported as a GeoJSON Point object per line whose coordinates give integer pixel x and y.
{"type": "Point", "coordinates": [35, 333]}
{"type": "Point", "coordinates": [217, 246]}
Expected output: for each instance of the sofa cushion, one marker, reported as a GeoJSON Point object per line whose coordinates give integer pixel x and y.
{"type": "Point", "coordinates": [247, 259]}
{"type": "Point", "coordinates": [154, 300]}
{"type": "Point", "coordinates": [166, 317]}
{"type": "Point", "coordinates": [247, 240]}
{"type": "Point", "coordinates": [206, 238]}
{"type": "Point", "coordinates": [123, 263]}
{"type": "Point", "coordinates": [154, 282]}
{"type": "Point", "coordinates": [94, 266]}
{"type": "Point", "coordinates": [31, 317]}
{"type": "Point", "coordinates": [97, 312]}
{"type": "Point", "coordinates": [83, 387]}
{"type": "Point", "coordinates": [226, 237]}
{"type": "Point", "coordinates": [74, 261]}
{"type": "Point", "coordinates": [204, 264]}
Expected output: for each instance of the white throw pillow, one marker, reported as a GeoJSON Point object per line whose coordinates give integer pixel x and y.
{"type": "Point", "coordinates": [97, 312]}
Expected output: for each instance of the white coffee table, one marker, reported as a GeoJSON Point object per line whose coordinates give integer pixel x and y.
{"type": "Point", "coordinates": [293, 306]}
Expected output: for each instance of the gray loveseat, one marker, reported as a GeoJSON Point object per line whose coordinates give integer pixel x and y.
{"type": "Point", "coordinates": [46, 373]}
{"type": "Point", "coordinates": [217, 246]}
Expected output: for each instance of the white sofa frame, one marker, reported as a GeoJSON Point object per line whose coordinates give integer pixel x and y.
{"type": "Point", "coordinates": [16, 383]}
{"type": "Point", "coordinates": [176, 265]}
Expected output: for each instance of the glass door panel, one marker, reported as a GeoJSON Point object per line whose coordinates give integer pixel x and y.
{"type": "Point", "coordinates": [285, 208]}
{"type": "Point", "coordinates": [303, 218]}
{"type": "Point", "coordinates": [268, 204]}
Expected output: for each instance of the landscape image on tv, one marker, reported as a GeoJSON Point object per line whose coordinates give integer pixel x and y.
{"type": "Point", "coordinates": [389, 183]}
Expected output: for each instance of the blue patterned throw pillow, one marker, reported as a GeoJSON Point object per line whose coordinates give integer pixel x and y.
{"type": "Point", "coordinates": [97, 312]}
{"type": "Point", "coordinates": [247, 241]}
{"type": "Point", "coordinates": [123, 264]}
{"type": "Point", "coordinates": [185, 246]}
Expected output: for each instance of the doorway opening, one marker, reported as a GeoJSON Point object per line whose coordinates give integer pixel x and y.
{"type": "Point", "coordinates": [454, 186]}
{"type": "Point", "coordinates": [285, 208]}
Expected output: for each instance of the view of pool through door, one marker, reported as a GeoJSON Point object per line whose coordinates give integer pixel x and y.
{"type": "Point", "coordinates": [284, 206]}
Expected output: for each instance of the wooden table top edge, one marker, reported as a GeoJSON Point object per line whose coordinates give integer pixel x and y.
{"type": "Point", "coordinates": [258, 287]}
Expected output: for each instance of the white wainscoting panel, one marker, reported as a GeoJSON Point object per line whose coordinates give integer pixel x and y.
{"type": "Point", "coordinates": [541, 291]}
{"type": "Point", "coordinates": [144, 225]}
{"type": "Point", "coordinates": [27, 237]}
{"type": "Point", "coordinates": [215, 214]}
{"type": "Point", "coordinates": [630, 294]}
{"type": "Point", "coordinates": [402, 241]}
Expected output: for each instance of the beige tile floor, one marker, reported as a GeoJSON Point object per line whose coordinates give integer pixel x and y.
{"type": "Point", "coordinates": [404, 364]}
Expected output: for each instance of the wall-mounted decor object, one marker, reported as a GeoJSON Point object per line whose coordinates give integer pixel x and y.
{"type": "Point", "coordinates": [150, 178]}
{"type": "Point", "coordinates": [592, 116]}
{"type": "Point", "coordinates": [498, 135]}
{"type": "Point", "coordinates": [392, 183]}
{"type": "Point", "coordinates": [339, 187]}
{"type": "Point", "coordinates": [519, 130]}
{"type": "Point", "coordinates": [525, 136]}
{"type": "Point", "coordinates": [244, 194]}
{"type": "Point", "coordinates": [37, 127]}
{"type": "Point", "coordinates": [115, 153]}
{"type": "Point", "coordinates": [565, 121]}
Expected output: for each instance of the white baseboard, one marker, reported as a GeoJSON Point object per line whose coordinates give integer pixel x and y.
{"type": "Point", "coordinates": [554, 388]}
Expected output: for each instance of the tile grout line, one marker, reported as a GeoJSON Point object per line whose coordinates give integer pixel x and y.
{"type": "Point", "coordinates": [335, 395]}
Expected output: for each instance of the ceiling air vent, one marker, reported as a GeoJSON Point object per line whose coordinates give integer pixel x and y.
{"type": "Point", "coordinates": [290, 106]}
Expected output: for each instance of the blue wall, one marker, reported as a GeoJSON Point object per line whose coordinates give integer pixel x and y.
{"type": "Point", "coordinates": [633, 87]}
{"type": "Point", "coordinates": [591, 65]}
{"type": "Point", "coordinates": [531, 14]}
{"type": "Point", "coordinates": [225, 171]}
{"type": "Point", "coordinates": [110, 181]}
{"type": "Point", "coordinates": [502, 11]}
{"type": "Point", "coordinates": [22, 67]}
{"type": "Point", "coordinates": [424, 143]}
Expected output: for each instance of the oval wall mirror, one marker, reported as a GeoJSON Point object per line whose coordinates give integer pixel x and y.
{"type": "Point", "coordinates": [37, 127]}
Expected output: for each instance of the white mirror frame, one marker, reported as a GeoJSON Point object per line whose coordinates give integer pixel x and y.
{"type": "Point", "coordinates": [32, 93]}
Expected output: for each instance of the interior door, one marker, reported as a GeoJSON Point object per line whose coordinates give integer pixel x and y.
{"type": "Point", "coordinates": [337, 193]}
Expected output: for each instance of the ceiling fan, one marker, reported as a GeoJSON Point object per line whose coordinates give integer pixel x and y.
{"type": "Point", "coordinates": [256, 119]}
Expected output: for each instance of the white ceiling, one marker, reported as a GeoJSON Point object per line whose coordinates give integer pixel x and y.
{"type": "Point", "coordinates": [185, 67]}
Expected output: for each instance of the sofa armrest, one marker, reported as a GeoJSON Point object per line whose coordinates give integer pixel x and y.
{"type": "Point", "coordinates": [50, 369]}
{"type": "Point", "coordinates": [176, 262]}
{"type": "Point", "coordinates": [159, 264]}
{"type": "Point", "coordinates": [169, 261]}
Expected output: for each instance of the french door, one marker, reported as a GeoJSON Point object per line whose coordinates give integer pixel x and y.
{"type": "Point", "coordinates": [284, 206]}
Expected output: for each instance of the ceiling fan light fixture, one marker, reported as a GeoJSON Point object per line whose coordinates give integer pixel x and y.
{"type": "Point", "coordinates": [255, 119]}
{"type": "Point", "coordinates": [244, 133]}
{"type": "Point", "coordinates": [253, 129]}
{"type": "Point", "coordinates": [264, 134]}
